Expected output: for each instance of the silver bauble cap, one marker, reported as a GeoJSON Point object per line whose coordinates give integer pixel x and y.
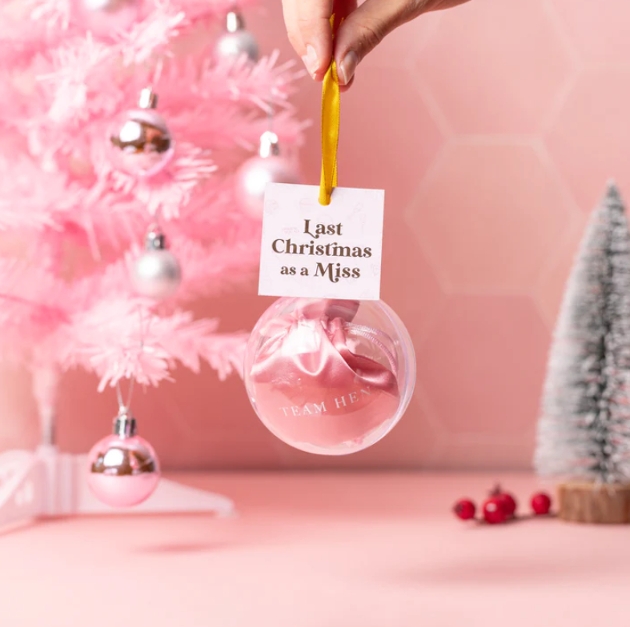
{"type": "Point", "coordinates": [124, 424]}
{"type": "Point", "coordinates": [234, 21]}
{"type": "Point", "coordinates": [155, 240]}
{"type": "Point", "coordinates": [269, 145]}
{"type": "Point", "coordinates": [148, 99]}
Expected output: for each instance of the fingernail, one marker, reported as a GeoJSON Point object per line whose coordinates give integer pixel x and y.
{"type": "Point", "coordinates": [347, 67]}
{"type": "Point", "coordinates": [310, 60]}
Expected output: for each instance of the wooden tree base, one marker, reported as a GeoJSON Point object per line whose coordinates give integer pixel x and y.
{"type": "Point", "coordinates": [594, 503]}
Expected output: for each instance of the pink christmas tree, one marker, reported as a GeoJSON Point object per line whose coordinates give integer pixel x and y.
{"type": "Point", "coordinates": [66, 85]}
{"type": "Point", "coordinates": [80, 193]}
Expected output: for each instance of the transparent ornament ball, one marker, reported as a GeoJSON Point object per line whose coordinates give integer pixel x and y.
{"type": "Point", "coordinates": [156, 274]}
{"type": "Point", "coordinates": [123, 471]}
{"type": "Point", "coordinates": [141, 143]}
{"type": "Point", "coordinates": [330, 377]}
{"type": "Point", "coordinates": [255, 174]}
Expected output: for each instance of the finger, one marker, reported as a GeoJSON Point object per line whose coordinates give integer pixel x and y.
{"type": "Point", "coordinates": [366, 27]}
{"type": "Point", "coordinates": [291, 24]}
{"type": "Point", "coordinates": [313, 25]}
{"type": "Point", "coordinates": [343, 88]}
{"type": "Point", "coordinates": [343, 8]}
{"type": "Point", "coordinates": [310, 19]}
{"type": "Point", "coordinates": [438, 5]}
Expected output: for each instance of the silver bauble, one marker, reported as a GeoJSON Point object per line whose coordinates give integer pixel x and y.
{"type": "Point", "coordinates": [141, 141]}
{"type": "Point", "coordinates": [106, 17]}
{"type": "Point", "coordinates": [236, 41]}
{"type": "Point", "coordinates": [108, 6]}
{"type": "Point", "coordinates": [156, 274]}
{"type": "Point", "coordinates": [256, 173]}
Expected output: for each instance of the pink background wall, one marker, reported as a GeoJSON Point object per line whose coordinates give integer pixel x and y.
{"type": "Point", "coordinates": [493, 127]}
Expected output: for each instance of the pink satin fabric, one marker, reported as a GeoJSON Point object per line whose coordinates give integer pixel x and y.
{"type": "Point", "coordinates": [311, 389]}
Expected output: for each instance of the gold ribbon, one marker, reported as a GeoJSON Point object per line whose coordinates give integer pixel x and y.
{"type": "Point", "coordinates": [330, 132]}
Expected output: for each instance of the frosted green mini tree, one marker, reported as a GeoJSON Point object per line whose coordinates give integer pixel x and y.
{"type": "Point", "coordinates": [584, 429]}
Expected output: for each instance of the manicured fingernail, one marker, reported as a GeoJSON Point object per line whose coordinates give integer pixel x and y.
{"type": "Point", "coordinates": [347, 67]}
{"type": "Point", "coordinates": [310, 60]}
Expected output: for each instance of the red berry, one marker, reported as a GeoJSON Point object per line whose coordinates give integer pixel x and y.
{"type": "Point", "coordinates": [541, 503]}
{"type": "Point", "coordinates": [494, 511]}
{"type": "Point", "coordinates": [509, 502]}
{"type": "Point", "coordinates": [464, 509]}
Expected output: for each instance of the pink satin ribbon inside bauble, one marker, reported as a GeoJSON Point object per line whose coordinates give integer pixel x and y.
{"type": "Point", "coordinates": [311, 388]}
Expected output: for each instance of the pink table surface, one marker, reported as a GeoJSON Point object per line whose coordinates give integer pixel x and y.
{"type": "Point", "coordinates": [318, 550]}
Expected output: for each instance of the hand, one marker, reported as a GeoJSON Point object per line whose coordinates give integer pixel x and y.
{"type": "Point", "coordinates": [308, 27]}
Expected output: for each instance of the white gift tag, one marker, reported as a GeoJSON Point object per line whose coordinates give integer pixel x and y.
{"type": "Point", "coordinates": [312, 250]}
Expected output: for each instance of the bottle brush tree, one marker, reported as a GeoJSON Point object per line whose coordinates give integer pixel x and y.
{"type": "Point", "coordinates": [584, 428]}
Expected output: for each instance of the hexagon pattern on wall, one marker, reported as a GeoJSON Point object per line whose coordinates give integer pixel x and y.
{"type": "Point", "coordinates": [532, 109]}
{"type": "Point", "coordinates": [493, 128]}
{"type": "Point", "coordinates": [495, 67]}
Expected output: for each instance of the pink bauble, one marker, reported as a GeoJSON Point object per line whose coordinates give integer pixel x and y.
{"type": "Point", "coordinates": [141, 143]}
{"type": "Point", "coordinates": [123, 471]}
{"type": "Point", "coordinates": [329, 377]}
{"type": "Point", "coordinates": [252, 178]}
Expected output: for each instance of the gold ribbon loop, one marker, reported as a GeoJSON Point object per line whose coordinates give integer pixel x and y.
{"type": "Point", "coordinates": [330, 133]}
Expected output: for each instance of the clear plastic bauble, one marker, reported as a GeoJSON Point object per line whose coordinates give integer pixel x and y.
{"type": "Point", "coordinates": [141, 143]}
{"type": "Point", "coordinates": [330, 377]}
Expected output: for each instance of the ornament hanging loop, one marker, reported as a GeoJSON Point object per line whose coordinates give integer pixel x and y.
{"type": "Point", "coordinates": [330, 129]}
{"type": "Point", "coordinates": [123, 407]}
{"type": "Point", "coordinates": [270, 113]}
